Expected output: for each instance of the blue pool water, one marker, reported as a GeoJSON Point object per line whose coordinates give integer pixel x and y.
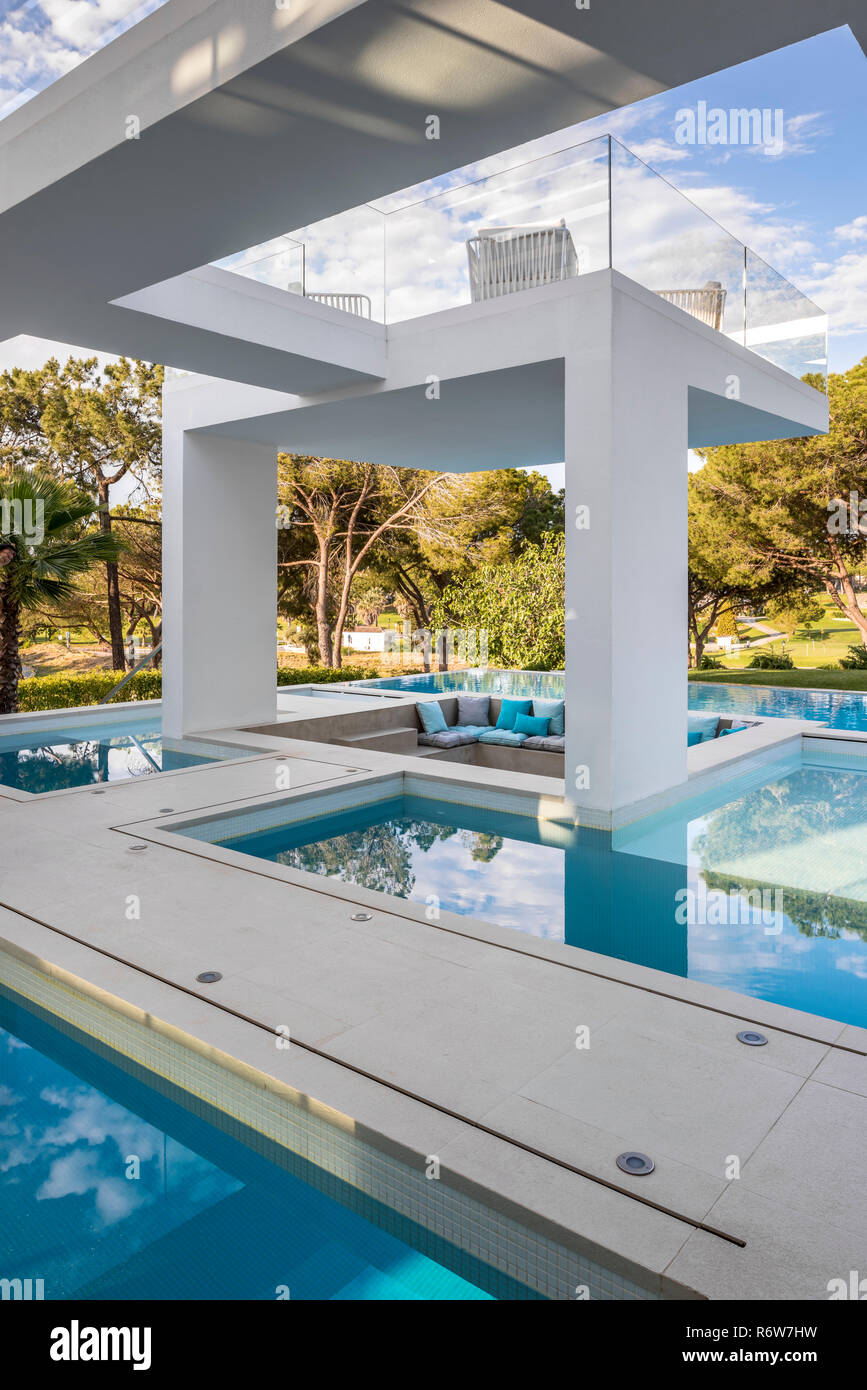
{"type": "Point", "coordinates": [839, 709]}
{"type": "Point", "coordinates": [760, 887]}
{"type": "Point", "coordinates": [543, 684]}
{"type": "Point", "coordinates": [207, 1217]}
{"type": "Point", "coordinates": [56, 759]}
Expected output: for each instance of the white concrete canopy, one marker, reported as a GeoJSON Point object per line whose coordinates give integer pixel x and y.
{"type": "Point", "coordinates": [208, 128]}
{"type": "Point", "coordinates": [595, 370]}
{"type": "Point", "coordinates": [250, 122]}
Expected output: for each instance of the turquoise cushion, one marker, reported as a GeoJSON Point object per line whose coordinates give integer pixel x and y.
{"type": "Point", "coordinates": [535, 726]}
{"type": "Point", "coordinates": [735, 729]}
{"type": "Point", "coordinates": [704, 724]}
{"type": "Point", "coordinates": [475, 729]}
{"type": "Point", "coordinates": [509, 711]}
{"type": "Point", "coordinates": [432, 718]}
{"type": "Point", "coordinates": [693, 736]}
{"type": "Point", "coordinates": [507, 736]}
{"type": "Point", "coordinates": [555, 712]}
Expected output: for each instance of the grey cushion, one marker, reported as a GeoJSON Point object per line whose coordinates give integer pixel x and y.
{"type": "Point", "coordinates": [553, 743]}
{"type": "Point", "coordinates": [449, 738]}
{"type": "Point", "coordinates": [474, 709]}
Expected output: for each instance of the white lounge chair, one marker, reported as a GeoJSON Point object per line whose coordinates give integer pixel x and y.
{"type": "Point", "coordinates": [707, 304]}
{"type": "Point", "coordinates": [505, 259]}
{"type": "Point", "coordinates": [349, 302]}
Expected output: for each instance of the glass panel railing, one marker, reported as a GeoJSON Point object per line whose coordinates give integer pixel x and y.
{"type": "Point", "coordinates": [532, 225]}
{"type": "Point", "coordinates": [665, 243]}
{"type": "Point", "coordinates": [278, 262]}
{"type": "Point", "coordinates": [783, 325]}
{"type": "Point", "coordinates": [344, 261]}
{"type": "Point", "coordinates": [569, 213]}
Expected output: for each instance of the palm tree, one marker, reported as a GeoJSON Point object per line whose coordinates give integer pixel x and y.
{"type": "Point", "coordinates": [39, 561]}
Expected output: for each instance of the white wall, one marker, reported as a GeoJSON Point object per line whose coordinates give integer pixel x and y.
{"type": "Point", "coordinates": [220, 581]}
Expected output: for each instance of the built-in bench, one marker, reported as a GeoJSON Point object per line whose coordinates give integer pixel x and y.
{"type": "Point", "coordinates": [464, 742]}
{"type": "Point", "coordinates": [711, 726]}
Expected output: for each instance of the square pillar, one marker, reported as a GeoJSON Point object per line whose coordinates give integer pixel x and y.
{"type": "Point", "coordinates": [626, 423]}
{"type": "Point", "coordinates": [219, 582]}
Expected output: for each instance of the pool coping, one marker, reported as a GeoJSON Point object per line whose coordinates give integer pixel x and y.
{"type": "Point", "coordinates": [479, 1159]}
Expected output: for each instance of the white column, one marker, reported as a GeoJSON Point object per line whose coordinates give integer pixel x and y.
{"type": "Point", "coordinates": [219, 582]}
{"type": "Point", "coordinates": [626, 462]}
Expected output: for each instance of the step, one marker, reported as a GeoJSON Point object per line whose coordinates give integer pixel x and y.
{"type": "Point", "coordinates": [400, 740]}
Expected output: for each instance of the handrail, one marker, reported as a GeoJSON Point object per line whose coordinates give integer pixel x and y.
{"type": "Point", "coordinates": [149, 656]}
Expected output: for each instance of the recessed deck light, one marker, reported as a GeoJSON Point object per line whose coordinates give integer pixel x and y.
{"type": "Point", "coordinates": [361, 917]}
{"type": "Point", "coordinates": [752, 1039]}
{"type": "Point", "coordinates": [164, 810]}
{"type": "Point", "coordinates": [137, 849]}
{"type": "Point", "coordinates": [100, 791]}
{"type": "Point", "coordinates": [209, 977]}
{"type": "Point", "coordinates": [636, 1164]}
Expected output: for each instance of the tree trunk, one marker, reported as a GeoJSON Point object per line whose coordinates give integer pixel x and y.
{"type": "Point", "coordinates": [156, 638]}
{"type": "Point", "coordinates": [320, 609]}
{"type": "Point", "coordinates": [10, 651]}
{"type": "Point", "coordinates": [845, 598]}
{"type": "Point", "coordinates": [115, 616]}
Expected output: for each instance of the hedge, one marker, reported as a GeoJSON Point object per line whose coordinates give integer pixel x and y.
{"type": "Point", "coordinates": [89, 687]}
{"type": "Point", "coordinates": [84, 688]}
{"type": "Point", "coordinates": [305, 675]}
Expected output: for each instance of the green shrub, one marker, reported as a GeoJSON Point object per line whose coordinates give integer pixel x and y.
{"type": "Point", "coordinates": [308, 675]}
{"type": "Point", "coordinates": [84, 688]}
{"type": "Point", "coordinates": [856, 660]}
{"type": "Point", "coordinates": [771, 661]}
{"type": "Point", "coordinates": [89, 687]}
{"type": "Point", "coordinates": [710, 663]}
{"type": "Point", "coordinates": [726, 624]}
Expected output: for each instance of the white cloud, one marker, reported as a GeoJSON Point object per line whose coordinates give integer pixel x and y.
{"type": "Point", "coordinates": [39, 43]}
{"type": "Point", "coordinates": [852, 231]}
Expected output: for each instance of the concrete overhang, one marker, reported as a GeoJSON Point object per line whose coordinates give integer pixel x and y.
{"type": "Point", "coordinates": [483, 386]}
{"type": "Point", "coordinates": [254, 120]}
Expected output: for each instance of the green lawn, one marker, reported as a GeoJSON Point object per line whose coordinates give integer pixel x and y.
{"type": "Point", "coordinates": [822, 644]}
{"type": "Point", "coordinates": [819, 680]}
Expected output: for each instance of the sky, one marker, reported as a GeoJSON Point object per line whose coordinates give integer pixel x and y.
{"type": "Point", "coordinates": [798, 199]}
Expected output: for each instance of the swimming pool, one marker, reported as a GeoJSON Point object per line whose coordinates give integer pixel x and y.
{"type": "Point", "coordinates": [839, 709]}
{"type": "Point", "coordinates": [760, 887]}
{"type": "Point", "coordinates": [542, 684]}
{"type": "Point", "coordinates": [37, 759]}
{"type": "Point", "coordinates": [111, 1189]}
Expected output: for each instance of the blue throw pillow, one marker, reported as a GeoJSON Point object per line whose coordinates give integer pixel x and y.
{"type": "Point", "coordinates": [693, 737]}
{"type": "Point", "coordinates": [555, 712]}
{"type": "Point", "coordinates": [733, 729]}
{"type": "Point", "coordinates": [704, 724]}
{"type": "Point", "coordinates": [432, 718]}
{"type": "Point", "coordinates": [533, 725]}
{"type": "Point", "coordinates": [509, 711]}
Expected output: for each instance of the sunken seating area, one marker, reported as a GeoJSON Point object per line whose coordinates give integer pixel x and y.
{"type": "Point", "coordinates": [492, 731]}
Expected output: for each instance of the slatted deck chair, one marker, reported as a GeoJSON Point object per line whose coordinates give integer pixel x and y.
{"type": "Point", "coordinates": [349, 302]}
{"type": "Point", "coordinates": [505, 259]}
{"type": "Point", "coordinates": [707, 304]}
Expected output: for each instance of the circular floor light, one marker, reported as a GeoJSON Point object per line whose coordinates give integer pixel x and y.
{"type": "Point", "coordinates": [209, 977]}
{"type": "Point", "coordinates": [361, 917]}
{"type": "Point", "coordinates": [636, 1164]}
{"type": "Point", "coordinates": [137, 849]}
{"type": "Point", "coordinates": [165, 810]}
{"type": "Point", "coordinates": [751, 1038]}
